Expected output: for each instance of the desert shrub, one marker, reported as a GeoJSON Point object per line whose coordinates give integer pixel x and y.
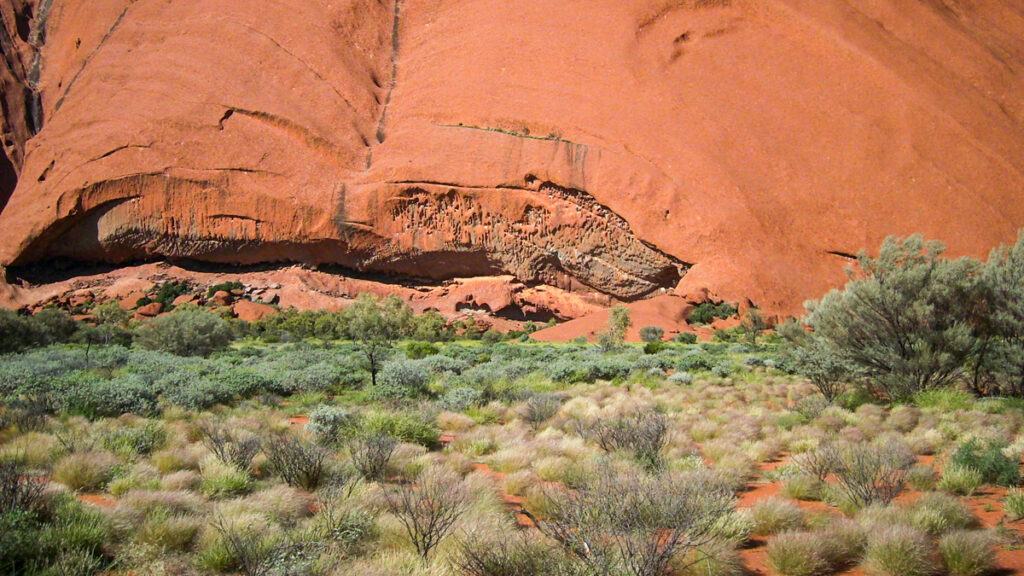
{"type": "Point", "coordinates": [987, 458]}
{"type": "Point", "coordinates": [706, 312]}
{"type": "Point", "coordinates": [960, 480]}
{"type": "Point", "coordinates": [643, 432]}
{"type": "Point", "coordinates": [797, 554]}
{"type": "Point", "coordinates": [491, 337]}
{"type": "Point", "coordinates": [899, 551]}
{"type": "Point", "coordinates": [224, 287]}
{"type": "Point", "coordinates": [64, 539]}
{"type": "Point", "coordinates": [802, 487]}
{"type": "Point", "coordinates": [85, 470]}
{"type": "Point", "coordinates": [937, 513]}
{"type": "Point", "coordinates": [843, 543]}
{"type": "Point", "coordinates": [637, 523]}
{"type": "Point", "coordinates": [943, 399]}
{"type": "Point", "coordinates": [569, 371]}
{"type": "Point", "coordinates": [921, 477]}
{"type": "Point", "coordinates": [371, 453]}
{"type": "Point", "coordinates": [686, 338]}
{"type": "Point", "coordinates": [231, 449]}
{"type": "Point", "coordinates": [681, 378]}
{"type": "Point", "coordinates": [419, 350]}
{"type": "Point", "coordinates": [194, 392]}
{"type": "Point", "coordinates": [520, 555]}
{"type": "Point", "coordinates": [167, 530]}
{"type": "Point", "coordinates": [901, 325]}
{"type": "Point", "coordinates": [775, 515]}
{"type": "Point", "coordinates": [223, 481]}
{"type": "Point", "coordinates": [401, 378]}
{"type": "Point", "coordinates": [539, 408]}
{"type": "Point", "coordinates": [297, 462]}
{"type": "Point", "coordinates": [329, 424]}
{"type": "Point", "coordinates": [966, 553]}
{"type": "Point", "coordinates": [188, 331]}
{"type": "Point", "coordinates": [459, 399]}
{"type": "Point", "coordinates": [652, 333]}
{"type": "Point", "coordinates": [866, 473]}
{"type": "Point", "coordinates": [694, 362]}
{"type": "Point", "coordinates": [416, 427]}
{"type": "Point", "coordinates": [1013, 504]}
{"type": "Point", "coordinates": [19, 492]}
{"type": "Point", "coordinates": [140, 440]}
{"type": "Point", "coordinates": [169, 291]}
{"type": "Point", "coordinates": [97, 398]}
{"type": "Point", "coordinates": [429, 508]}
{"type": "Point", "coordinates": [810, 407]}
{"type": "Point", "coordinates": [253, 552]}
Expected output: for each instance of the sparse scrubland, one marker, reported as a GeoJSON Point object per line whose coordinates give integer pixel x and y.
{"type": "Point", "coordinates": [887, 440]}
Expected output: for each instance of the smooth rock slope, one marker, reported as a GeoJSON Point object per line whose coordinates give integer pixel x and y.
{"type": "Point", "coordinates": [633, 148]}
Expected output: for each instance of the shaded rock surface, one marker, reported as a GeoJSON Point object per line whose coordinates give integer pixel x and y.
{"type": "Point", "coordinates": [742, 148]}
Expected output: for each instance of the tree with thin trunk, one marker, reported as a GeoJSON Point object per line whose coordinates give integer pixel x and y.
{"type": "Point", "coordinates": [375, 326]}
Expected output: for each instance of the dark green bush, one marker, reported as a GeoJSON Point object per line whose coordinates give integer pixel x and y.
{"type": "Point", "coordinates": [419, 350]}
{"type": "Point", "coordinates": [986, 456]}
{"type": "Point", "coordinates": [416, 427]}
{"type": "Point", "coordinates": [686, 338]}
{"type": "Point", "coordinates": [225, 286]}
{"type": "Point", "coordinates": [706, 312]}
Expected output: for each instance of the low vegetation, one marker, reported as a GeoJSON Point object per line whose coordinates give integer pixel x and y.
{"type": "Point", "coordinates": [374, 441]}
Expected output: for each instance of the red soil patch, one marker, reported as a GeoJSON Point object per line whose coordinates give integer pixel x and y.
{"type": "Point", "coordinates": [100, 500]}
{"type": "Point", "coordinates": [298, 420]}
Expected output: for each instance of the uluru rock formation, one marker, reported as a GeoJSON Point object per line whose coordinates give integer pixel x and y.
{"type": "Point", "coordinates": [632, 148]}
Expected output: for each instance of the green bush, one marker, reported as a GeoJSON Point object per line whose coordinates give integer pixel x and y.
{"type": "Point", "coordinates": [652, 333]}
{"type": "Point", "coordinates": [459, 399]}
{"type": "Point", "coordinates": [706, 312]}
{"type": "Point", "coordinates": [960, 480]}
{"type": "Point", "coordinates": [987, 458]}
{"type": "Point", "coordinates": [411, 426]}
{"type": "Point", "coordinates": [188, 331]}
{"type": "Point", "coordinates": [420, 350]}
{"type": "Point", "coordinates": [1013, 504]}
{"type": "Point", "coordinates": [901, 324]}
{"type": "Point", "coordinates": [686, 338]}
{"type": "Point", "coordinates": [225, 287]}
{"type": "Point", "coordinates": [401, 378]}
{"type": "Point", "coordinates": [330, 424]}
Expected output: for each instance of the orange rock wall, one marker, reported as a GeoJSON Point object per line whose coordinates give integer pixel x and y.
{"type": "Point", "coordinates": [632, 148]}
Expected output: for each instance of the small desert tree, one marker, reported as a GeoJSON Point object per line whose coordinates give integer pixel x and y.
{"type": "Point", "coordinates": [429, 507]}
{"type": "Point", "coordinates": [188, 331]}
{"type": "Point", "coordinates": [903, 322]}
{"type": "Point", "coordinates": [375, 326]}
{"type": "Point", "coordinates": [618, 322]}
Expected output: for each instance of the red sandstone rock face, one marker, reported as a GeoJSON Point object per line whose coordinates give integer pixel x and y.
{"type": "Point", "coordinates": [741, 147]}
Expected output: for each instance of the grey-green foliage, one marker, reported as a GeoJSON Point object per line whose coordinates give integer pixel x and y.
{"type": "Point", "coordinates": [652, 333]}
{"type": "Point", "coordinates": [188, 331]}
{"type": "Point", "coordinates": [903, 322]}
{"type": "Point", "coordinates": [1001, 364]}
{"type": "Point", "coordinates": [402, 378]}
